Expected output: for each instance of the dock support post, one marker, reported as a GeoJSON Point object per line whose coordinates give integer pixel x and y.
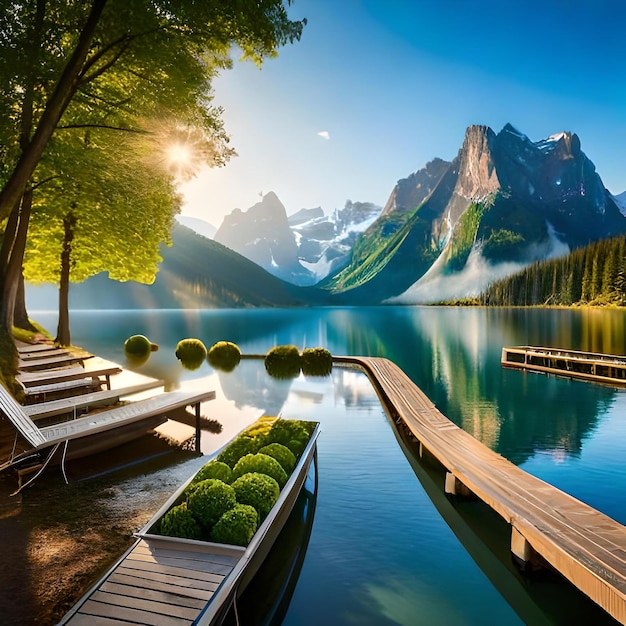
{"type": "Point", "coordinates": [198, 448]}
{"type": "Point", "coordinates": [454, 487]}
{"type": "Point", "coordinates": [523, 553]}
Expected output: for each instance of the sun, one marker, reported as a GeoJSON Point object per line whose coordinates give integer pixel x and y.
{"type": "Point", "coordinates": [179, 155]}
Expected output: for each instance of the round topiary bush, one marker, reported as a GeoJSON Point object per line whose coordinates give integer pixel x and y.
{"type": "Point", "coordinates": [137, 345]}
{"type": "Point", "coordinates": [239, 447]}
{"type": "Point", "coordinates": [137, 349]}
{"type": "Point", "coordinates": [209, 500]}
{"type": "Point", "coordinates": [191, 353]}
{"type": "Point", "coordinates": [283, 362]}
{"type": "Point", "coordinates": [316, 362]}
{"type": "Point", "coordinates": [214, 469]}
{"type": "Point", "coordinates": [179, 522]}
{"type": "Point", "coordinates": [289, 433]}
{"type": "Point", "coordinates": [282, 454]}
{"type": "Point", "coordinates": [237, 526]}
{"type": "Point", "coordinates": [258, 490]}
{"type": "Point", "coordinates": [224, 356]}
{"type": "Point", "coordinates": [261, 463]}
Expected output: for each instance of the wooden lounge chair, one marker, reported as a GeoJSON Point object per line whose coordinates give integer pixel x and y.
{"type": "Point", "coordinates": [111, 423]}
{"type": "Point", "coordinates": [162, 405]}
{"type": "Point", "coordinates": [36, 347]}
{"type": "Point", "coordinates": [30, 379]}
{"type": "Point", "coordinates": [53, 390]}
{"type": "Point", "coordinates": [87, 401]}
{"type": "Point", "coordinates": [42, 354]}
{"type": "Point", "coordinates": [47, 363]}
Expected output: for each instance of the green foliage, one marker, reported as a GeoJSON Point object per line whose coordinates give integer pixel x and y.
{"type": "Point", "coordinates": [316, 362]}
{"type": "Point", "coordinates": [282, 454]}
{"type": "Point", "coordinates": [593, 275]}
{"type": "Point", "coordinates": [179, 522]}
{"type": "Point", "coordinates": [8, 362]}
{"type": "Point", "coordinates": [209, 500]}
{"type": "Point", "coordinates": [241, 446]}
{"type": "Point", "coordinates": [224, 356]}
{"type": "Point", "coordinates": [214, 469]}
{"type": "Point", "coordinates": [283, 362]}
{"type": "Point", "coordinates": [502, 240]}
{"type": "Point", "coordinates": [290, 433]}
{"type": "Point", "coordinates": [191, 353]}
{"type": "Point", "coordinates": [137, 346]}
{"type": "Point", "coordinates": [258, 490]}
{"type": "Point", "coordinates": [236, 527]}
{"type": "Point", "coordinates": [464, 236]}
{"type": "Point", "coordinates": [261, 463]}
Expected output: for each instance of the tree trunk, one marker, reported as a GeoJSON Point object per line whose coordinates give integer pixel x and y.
{"type": "Point", "coordinates": [55, 107]}
{"type": "Point", "coordinates": [63, 328]}
{"type": "Point", "coordinates": [20, 314]}
{"type": "Point", "coordinates": [13, 270]}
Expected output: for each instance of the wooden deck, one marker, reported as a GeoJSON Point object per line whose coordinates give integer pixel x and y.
{"type": "Point", "coordinates": [584, 545]}
{"type": "Point", "coordinates": [605, 369]}
{"type": "Point", "coordinates": [158, 584]}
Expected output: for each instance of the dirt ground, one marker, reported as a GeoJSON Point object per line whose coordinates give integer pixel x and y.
{"type": "Point", "coordinates": [57, 539]}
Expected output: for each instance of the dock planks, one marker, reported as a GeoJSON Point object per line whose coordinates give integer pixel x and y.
{"type": "Point", "coordinates": [157, 584]}
{"type": "Point", "coordinates": [584, 545]}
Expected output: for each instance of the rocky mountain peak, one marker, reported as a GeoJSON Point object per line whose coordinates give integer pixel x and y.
{"type": "Point", "coordinates": [478, 177]}
{"type": "Point", "coordinates": [410, 192]}
{"type": "Point", "coordinates": [263, 235]}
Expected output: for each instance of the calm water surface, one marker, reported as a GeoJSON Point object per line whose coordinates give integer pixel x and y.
{"type": "Point", "coordinates": [383, 548]}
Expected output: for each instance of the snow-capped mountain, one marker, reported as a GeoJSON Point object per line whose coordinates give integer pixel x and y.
{"type": "Point", "coordinates": [301, 249]}
{"type": "Point", "coordinates": [325, 241]}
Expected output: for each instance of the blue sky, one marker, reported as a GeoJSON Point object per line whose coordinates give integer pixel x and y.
{"type": "Point", "coordinates": [391, 84]}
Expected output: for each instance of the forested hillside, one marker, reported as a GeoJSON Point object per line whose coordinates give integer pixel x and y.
{"type": "Point", "coordinates": [594, 275]}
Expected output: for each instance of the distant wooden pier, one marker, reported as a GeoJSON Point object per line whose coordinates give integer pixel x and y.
{"type": "Point", "coordinates": [594, 367]}
{"type": "Point", "coordinates": [547, 525]}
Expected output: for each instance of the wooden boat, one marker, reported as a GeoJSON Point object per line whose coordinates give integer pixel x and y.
{"type": "Point", "coordinates": [605, 369]}
{"type": "Point", "coordinates": [165, 579]}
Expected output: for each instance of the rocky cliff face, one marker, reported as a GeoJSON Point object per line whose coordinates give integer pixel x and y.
{"type": "Point", "coordinates": [262, 234]}
{"type": "Point", "coordinates": [410, 192]}
{"type": "Point", "coordinates": [503, 201]}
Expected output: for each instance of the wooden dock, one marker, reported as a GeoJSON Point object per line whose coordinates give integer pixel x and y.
{"type": "Point", "coordinates": [605, 369]}
{"type": "Point", "coordinates": [547, 525]}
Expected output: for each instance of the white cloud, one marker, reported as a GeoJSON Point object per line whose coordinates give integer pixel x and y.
{"type": "Point", "coordinates": [324, 134]}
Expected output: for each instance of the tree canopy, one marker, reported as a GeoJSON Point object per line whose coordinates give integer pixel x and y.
{"type": "Point", "coordinates": [96, 97]}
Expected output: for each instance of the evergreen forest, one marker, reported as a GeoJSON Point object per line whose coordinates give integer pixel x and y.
{"type": "Point", "coordinates": [594, 275]}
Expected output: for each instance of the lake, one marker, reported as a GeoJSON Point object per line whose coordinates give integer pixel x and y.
{"type": "Point", "coordinates": [384, 548]}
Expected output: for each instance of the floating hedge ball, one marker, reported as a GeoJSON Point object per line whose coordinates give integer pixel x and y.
{"type": "Point", "coordinates": [282, 454]}
{"type": "Point", "coordinates": [209, 500]}
{"type": "Point", "coordinates": [191, 353]}
{"type": "Point", "coordinates": [138, 345]}
{"type": "Point", "coordinates": [283, 362]}
{"type": "Point", "coordinates": [239, 447]}
{"type": "Point", "coordinates": [258, 490]}
{"type": "Point", "coordinates": [214, 469]}
{"type": "Point", "coordinates": [316, 362]}
{"type": "Point", "coordinates": [224, 356]}
{"type": "Point", "coordinates": [237, 526]}
{"type": "Point", "coordinates": [137, 349]}
{"type": "Point", "coordinates": [179, 522]}
{"type": "Point", "coordinates": [261, 463]}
